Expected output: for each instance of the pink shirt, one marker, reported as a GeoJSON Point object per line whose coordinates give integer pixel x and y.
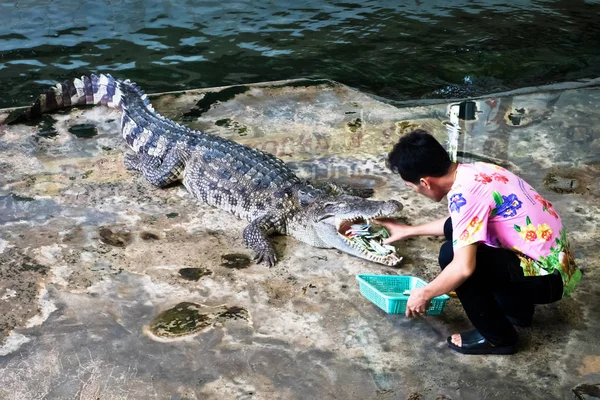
{"type": "Point", "coordinates": [489, 204]}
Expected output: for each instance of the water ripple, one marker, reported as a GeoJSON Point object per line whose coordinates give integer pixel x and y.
{"type": "Point", "coordinates": [399, 50]}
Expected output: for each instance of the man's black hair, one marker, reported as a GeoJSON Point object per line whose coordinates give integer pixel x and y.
{"type": "Point", "coordinates": [418, 154]}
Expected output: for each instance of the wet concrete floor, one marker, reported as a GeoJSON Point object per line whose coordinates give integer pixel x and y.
{"type": "Point", "coordinates": [112, 289]}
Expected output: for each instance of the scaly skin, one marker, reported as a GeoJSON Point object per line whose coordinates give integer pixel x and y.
{"type": "Point", "coordinates": [246, 182]}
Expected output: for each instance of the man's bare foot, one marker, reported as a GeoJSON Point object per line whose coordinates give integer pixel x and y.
{"type": "Point", "coordinates": [472, 342]}
{"type": "Point", "coordinates": [456, 339]}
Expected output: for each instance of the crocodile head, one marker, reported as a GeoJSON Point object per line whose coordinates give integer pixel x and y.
{"type": "Point", "coordinates": [321, 223]}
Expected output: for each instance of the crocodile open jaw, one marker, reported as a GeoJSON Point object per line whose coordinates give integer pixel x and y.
{"type": "Point", "coordinates": [344, 225]}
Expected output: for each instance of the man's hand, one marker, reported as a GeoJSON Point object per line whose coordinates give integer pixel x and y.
{"type": "Point", "coordinates": [397, 230]}
{"type": "Point", "coordinates": [417, 303]}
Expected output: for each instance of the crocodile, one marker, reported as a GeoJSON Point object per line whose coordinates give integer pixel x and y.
{"type": "Point", "coordinates": [249, 183]}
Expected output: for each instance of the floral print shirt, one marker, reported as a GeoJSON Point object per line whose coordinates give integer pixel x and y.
{"type": "Point", "coordinates": [491, 205]}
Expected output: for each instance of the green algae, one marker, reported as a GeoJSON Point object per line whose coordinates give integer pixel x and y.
{"type": "Point", "coordinates": [84, 131]}
{"type": "Point", "coordinates": [172, 215]}
{"type": "Point", "coordinates": [566, 181]}
{"type": "Point", "coordinates": [149, 236]}
{"type": "Point", "coordinates": [234, 313]}
{"type": "Point", "coordinates": [44, 123]}
{"type": "Point", "coordinates": [355, 125]}
{"type": "Point", "coordinates": [183, 319]}
{"type": "Point", "coordinates": [211, 98]}
{"type": "Point", "coordinates": [16, 197]}
{"type": "Point", "coordinates": [34, 267]}
{"type": "Point", "coordinates": [305, 83]}
{"type": "Point", "coordinates": [517, 116]}
{"type": "Point", "coordinates": [403, 127]}
{"type": "Point", "coordinates": [235, 261]}
{"type": "Point", "coordinates": [187, 318]}
{"type": "Point", "coordinates": [240, 129]}
{"type": "Point", "coordinates": [117, 239]}
{"type": "Point", "coordinates": [194, 274]}
{"type": "Point", "coordinates": [46, 127]}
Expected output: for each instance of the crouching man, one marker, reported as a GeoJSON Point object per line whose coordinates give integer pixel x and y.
{"type": "Point", "coordinates": [506, 247]}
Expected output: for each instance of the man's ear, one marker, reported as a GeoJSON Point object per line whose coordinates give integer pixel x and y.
{"type": "Point", "coordinates": [425, 182]}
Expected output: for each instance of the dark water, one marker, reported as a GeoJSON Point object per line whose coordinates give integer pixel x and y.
{"type": "Point", "coordinates": [396, 49]}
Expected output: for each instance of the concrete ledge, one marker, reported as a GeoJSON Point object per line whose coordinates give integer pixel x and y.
{"type": "Point", "coordinates": [90, 255]}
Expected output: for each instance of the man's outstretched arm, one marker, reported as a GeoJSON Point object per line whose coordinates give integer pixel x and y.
{"type": "Point", "coordinates": [399, 231]}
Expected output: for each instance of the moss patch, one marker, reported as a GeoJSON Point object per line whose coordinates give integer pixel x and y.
{"type": "Point", "coordinates": [117, 239]}
{"type": "Point", "coordinates": [235, 126]}
{"type": "Point", "coordinates": [183, 319]}
{"type": "Point", "coordinates": [235, 261]}
{"type": "Point", "coordinates": [234, 313]}
{"type": "Point", "coordinates": [16, 197]}
{"type": "Point", "coordinates": [566, 181]}
{"type": "Point", "coordinates": [30, 265]}
{"type": "Point", "coordinates": [354, 125]}
{"type": "Point", "coordinates": [194, 274]}
{"type": "Point", "coordinates": [46, 127]}
{"type": "Point", "coordinates": [188, 318]}
{"type": "Point", "coordinates": [211, 98]}
{"type": "Point", "coordinates": [149, 236]}
{"type": "Point", "coordinates": [304, 83]}
{"type": "Point", "coordinates": [84, 131]}
{"type": "Point", "coordinates": [403, 127]}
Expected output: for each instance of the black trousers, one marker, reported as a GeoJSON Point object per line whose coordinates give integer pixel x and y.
{"type": "Point", "coordinates": [498, 289]}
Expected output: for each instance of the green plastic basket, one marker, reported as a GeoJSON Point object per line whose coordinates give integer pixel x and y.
{"type": "Point", "coordinates": [386, 292]}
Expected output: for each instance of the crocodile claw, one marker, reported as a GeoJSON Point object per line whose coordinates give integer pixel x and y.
{"type": "Point", "coordinates": [266, 257]}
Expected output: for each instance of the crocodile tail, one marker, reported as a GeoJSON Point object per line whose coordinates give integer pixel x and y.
{"type": "Point", "coordinates": [95, 89]}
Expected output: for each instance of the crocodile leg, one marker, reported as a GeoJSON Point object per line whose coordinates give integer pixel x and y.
{"type": "Point", "coordinates": [158, 173]}
{"type": "Point", "coordinates": [256, 237]}
{"type": "Point", "coordinates": [133, 161]}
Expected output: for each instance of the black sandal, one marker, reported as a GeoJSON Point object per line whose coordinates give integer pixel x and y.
{"type": "Point", "coordinates": [474, 343]}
